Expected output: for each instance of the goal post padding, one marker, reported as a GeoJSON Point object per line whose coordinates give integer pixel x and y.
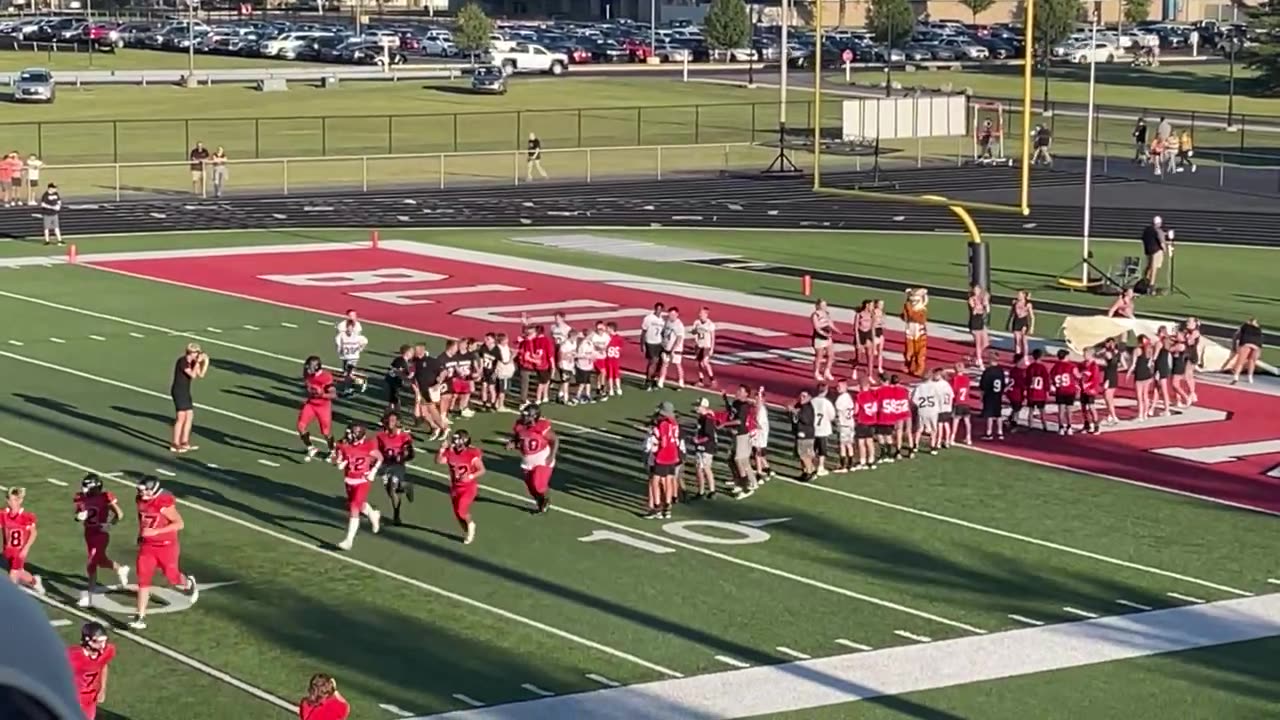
{"type": "Point", "coordinates": [904, 118]}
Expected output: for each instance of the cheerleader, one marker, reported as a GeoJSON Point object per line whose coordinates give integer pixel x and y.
{"type": "Point", "coordinates": [863, 322]}
{"type": "Point", "coordinates": [1191, 333]}
{"type": "Point", "coordinates": [877, 333]}
{"type": "Point", "coordinates": [1114, 360]}
{"type": "Point", "coordinates": [822, 332]}
{"type": "Point", "coordinates": [1142, 372]}
{"type": "Point", "coordinates": [1163, 366]}
{"type": "Point", "coordinates": [1022, 322]}
{"type": "Point", "coordinates": [979, 309]}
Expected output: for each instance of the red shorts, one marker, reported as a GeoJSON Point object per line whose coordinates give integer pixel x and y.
{"type": "Point", "coordinates": [537, 479]}
{"type": "Point", "coordinates": [461, 495]}
{"type": "Point", "coordinates": [459, 386]}
{"type": "Point", "coordinates": [602, 366]}
{"type": "Point", "coordinates": [89, 706]}
{"type": "Point", "coordinates": [612, 368]}
{"type": "Point", "coordinates": [313, 412]}
{"type": "Point", "coordinates": [357, 496]}
{"type": "Point", "coordinates": [164, 557]}
{"type": "Point", "coordinates": [96, 547]}
{"type": "Point", "coordinates": [16, 562]}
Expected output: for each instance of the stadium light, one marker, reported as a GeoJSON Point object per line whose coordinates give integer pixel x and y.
{"type": "Point", "coordinates": [1088, 151]}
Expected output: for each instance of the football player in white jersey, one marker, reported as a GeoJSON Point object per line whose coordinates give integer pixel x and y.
{"type": "Point", "coordinates": [672, 348]}
{"type": "Point", "coordinates": [845, 413]}
{"type": "Point", "coordinates": [704, 340]}
{"type": "Point", "coordinates": [584, 365]}
{"type": "Point", "coordinates": [929, 397]}
{"type": "Point", "coordinates": [566, 354]}
{"type": "Point", "coordinates": [599, 349]}
{"type": "Point", "coordinates": [350, 343]}
{"type": "Point", "coordinates": [760, 437]}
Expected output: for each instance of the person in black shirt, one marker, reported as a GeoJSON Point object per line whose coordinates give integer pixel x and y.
{"type": "Point", "coordinates": [1248, 350]}
{"type": "Point", "coordinates": [193, 363]}
{"type": "Point", "coordinates": [199, 157]}
{"type": "Point", "coordinates": [426, 390]}
{"type": "Point", "coordinates": [398, 373]}
{"type": "Point", "coordinates": [1042, 139]}
{"type": "Point", "coordinates": [1140, 141]}
{"type": "Point", "coordinates": [488, 356]}
{"type": "Point", "coordinates": [803, 419]}
{"type": "Point", "coordinates": [50, 213]}
{"type": "Point", "coordinates": [741, 411]}
{"type": "Point", "coordinates": [992, 384]}
{"type": "Point", "coordinates": [1154, 237]}
{"type": "Point", "coordinates": [704, 448]}
{"type": "Point", "coordinates": [535, 159]}
{"type": "Point", "coordinates": [467, 370]}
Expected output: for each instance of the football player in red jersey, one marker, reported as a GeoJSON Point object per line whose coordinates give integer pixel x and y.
{"type": "Point", "coordinates": [323, 701]}
{"type": "Point", "coordinates": [466, 467]}
{"type": "Point", "coordinates": [318, 407]}
{"type": "Point", "coordinates": [1091, 386]}
{"type": "Point", "coordinates": [158, 526]}
{"type": "Point", "coordinates": [1065, 376]}
{"type": "Point", "coordinates": [538, 446]}
{"type": "Point", "coordinates": [19, 532]}
{"type": "Point", "coordinates": [396, 445]}
{"type": "Point", "coordinates": [358, 459]}
{"type": "Point", "coordinates": [89, 661]}
{"type": "Point", "coordinates": [668, 455]}
{"type": "Point", "coordinates": [961, 413]}
{"type": "Point", "coordinates": [98, 510]}
{"type": "Point", "coordinates": [1017, 392]}
{"type": "Point", "coordinates": [1038, 381]}
{"type": "Point", "coordinates": [866, 414]}
{"type": "Point", "coordinates": [613, 360]}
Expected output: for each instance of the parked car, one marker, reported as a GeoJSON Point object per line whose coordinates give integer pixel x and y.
{"type": "Point", "coordinates": [965, 48]}
{"type": "Point", "coordinates": [668, 51]}
{"type": "Point", "coordinates": [374, 54]}
{"type": "Point", "coordinates": [526, 57]}
{"type": "Point", "coordinates": [34, 85]}
{"type": "Point", "coordinates": [439, 46]}
{"type": "Point", "coordinates": [489, 80]}
{"type": "Point", "coordinates": [916, 52]}
{"type": "Point", "coordinates": [1099, 52]}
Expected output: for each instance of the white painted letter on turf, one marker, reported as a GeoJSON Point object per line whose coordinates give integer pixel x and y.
{"type": "Point", "coordinates": [356, 277]}
{"type": "Point", "coordinates": [170, 600]}
{"type": "Point", "coordinates": [1214, 454]}
{"type": "Point", "coordinates": [687, 529]}
{"type": "Point", "coordinates": [628, 540]}
{"type": "Point", "coordinates": [416, 297]}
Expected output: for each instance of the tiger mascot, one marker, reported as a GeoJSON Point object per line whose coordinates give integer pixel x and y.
{"type": "Point", "coordinates": [915, 313]}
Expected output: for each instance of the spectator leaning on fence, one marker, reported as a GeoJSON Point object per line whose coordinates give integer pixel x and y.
{"type": "Point", "coordinates": [199, 156]}
{"type": "Point", "coordinates": [6, 181]}
{"type": "Point", "coordinates": [50, 210]}
{"type": "Point", "coordinates": [218, 162]}
{"type": "Point", "coordinates": [34, 163]}
{"type": "Point", "coordinates": [14, 160]}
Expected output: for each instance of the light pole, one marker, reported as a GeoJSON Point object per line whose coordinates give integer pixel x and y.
{"type": "Point", "coordinates": [888, 61]}
{"type": "Point", "coordinates": [653, 30]}
{"type": "Point", "coordinates": [1233, 46]}
{"type": "Point", "coordinates": [1088, 152]}
{"type": "Point", "coordinates": [191, 43]}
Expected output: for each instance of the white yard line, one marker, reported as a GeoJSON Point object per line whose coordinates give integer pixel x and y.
{"type": "Point", "coordinates": [732, 662]}
{"type": "Point", "coordinates": [913, 636]}
{"type": "Point", "coordinates": [793, 653]}
{"type": "Point", "coordinates": [466, 700]}
{"type": "Point", "coordinates": [1080, 613]}
{"type": "Point", "coordinates": [523, 498]}
{"type": "Point", "coordinates": [852, 644]}
{"type": "Point", "coordinates": [99, 338]}
{"type": "Point", "coordinates": [603, 680]}
{"type": "Point", "coordinates": [166, 473]}
{"type": "Point", "coordinates": [1273, 581]}
{"type": "Point", "coordinates": [776, 689]}
{"type": "Point", "coordinates": [395, 710]}
{"type": "Point", "coordinates": [136, 335]}
{"type": "Point", "coordinates": [194, 664]}
{"type": "Point", "coordinates": [1026, 620]}
{"type": "Point", "coordinates": [251, 327]}
{"type": "Point", "coordinates": [537, 690]}
{"type": "Point", "coordinates": [1185, 598]}
{"type": "Point", "coordinates": [17, 343]}
{"type": "Point", "coordinates": [56, 481]}
{"type": "Point", "coordinates": [1134, 605]}
{"type": "Point", "coordinates": [60, 341]}
{"type": "Point", "coordinates": [506, 614]}
{"type": "Point", "coordinates": [268, 463]}
{"type": "Point", "coordinates": [60, 622]}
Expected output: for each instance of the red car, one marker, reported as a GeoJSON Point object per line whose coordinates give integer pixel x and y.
{"type": "Point", "coordinates": [639, 50]}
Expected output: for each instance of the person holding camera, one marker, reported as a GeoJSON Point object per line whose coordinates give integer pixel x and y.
{"type": "Point", "coordinates": [1156, 244]}
{"type": "Point", "coordinates": [193, 364]}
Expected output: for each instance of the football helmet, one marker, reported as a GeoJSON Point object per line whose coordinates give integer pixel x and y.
{"type": "Point", "coordinates": [355, 433]}
{"type": "Point", "coordinates": [91, 484]}
{"type": "Point", "coordinates": [530, 413]}
{"type": "Point", "coordinates": [93, 636]}
{"type": "Point", "coordinates": [460, 440]}
{"type": "Point", "coordinates": [148, 487]}
{"type": "Point", "coordinates": [312, 366]}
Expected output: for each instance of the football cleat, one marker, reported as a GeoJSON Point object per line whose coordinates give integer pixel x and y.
{"type": "Point", "coordinates": [375, 521]}
{"type": "Point", "coordinates": [312, 366]}
{"type": "Point", "coordinates": [86, 600]}
{"type": "Point", "coordinates": [122, 574]}
{"type": "Point", "coordinates": [345, 545]}
{"type": "Point", "coordinates": [471, 533]}
{"type": "Point", "coordinates": [93, 635]}
{"type": "Point", "coordinates": [148, 487]}
{"type": "Point", "coordinates": [91, 484]}
{"type": "Point", "coordinates": [138, 623]}
{"type": "Point", "coordinates": [311, 453]}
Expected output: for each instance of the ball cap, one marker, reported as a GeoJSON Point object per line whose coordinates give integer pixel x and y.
{"type": "Point", "coordinates": [666, 409]}
{"type": "Point", "coordinates": [702, 403]}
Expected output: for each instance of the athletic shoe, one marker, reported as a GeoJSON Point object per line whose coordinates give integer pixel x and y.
{"type": "Point", "coordinates": [137, 623]}
{"type": "Point", "coordinates": [471, 533]}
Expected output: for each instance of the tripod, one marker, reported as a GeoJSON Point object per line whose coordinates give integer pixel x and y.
{"type": "Point", "coordinates": [1067, 278]}
{"type": "Point", "coordinates": [782, 163]}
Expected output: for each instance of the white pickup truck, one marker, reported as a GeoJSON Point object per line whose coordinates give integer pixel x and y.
{"type": "Point", "coordinates": [526, 57]}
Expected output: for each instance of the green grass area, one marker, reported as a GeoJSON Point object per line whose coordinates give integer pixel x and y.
{"type": "Point", "coordinates": [100, 124]}
{"type": "Point", "coordinates": [77, 58]}
{"type": "Point", "coordinates": [529, 602]}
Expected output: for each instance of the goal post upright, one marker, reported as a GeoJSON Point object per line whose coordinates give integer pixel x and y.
{"type": "Point", "coordinates": [1028, 64]}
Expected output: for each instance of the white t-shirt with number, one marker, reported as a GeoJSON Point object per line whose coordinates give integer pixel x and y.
{"type": "Point", "coordinates": [703, 333]}
{"type": "Point", "coordinates": [568, 352]}
{"type": "Point", "coordinates": [350, 345]}
{"type": "Point", "coordinates": [932, 396]}
{"type": "Point", "coordinates": [599, 343]}
{"type": "Point", "coordinates": [651, 328]}
{"type": "Point", "coordinates": [586, 355]}
{"type": "Point", "coordinates": [673, 336]}
{"type": "Point", "coordinates": [846, 411]}
{"type": "Point", "coordinates": [824, 414]}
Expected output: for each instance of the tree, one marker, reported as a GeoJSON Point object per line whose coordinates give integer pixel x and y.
{"type": "Point", "coordinates": [977, 7]}
{"type": "Point", "coordinates": [1055, 20]}
{"type": "Point", "coordinates": [472, 29]}
{"type": "Point", "coordinates": [727, 25]}
{"type": "Point", "coordinates": [1264, 55]}
{"type": "Point", "coordinates": [890, 20]}
{"type": "Point", "coordinates": [1135, 11]}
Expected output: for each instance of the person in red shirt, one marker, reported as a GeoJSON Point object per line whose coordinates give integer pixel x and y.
{"type": "Point", "coordinates": [97, 509]}
{"type": "Point", "coordinates": [547, 354]}
{"type": "Point", "coordinates": [613, 360]}
{"type": "Point", "coordinates": [158, 526]}
{"type": "Point", "coordinates": [89, 661]}
{"type": "Point", "coordinates": [668, 454]}
{"type": "Point", "coordinates": [358, 459]}
{"type": "Point", "coordinates": [866, 413]}
{"type": "Point", "coordinates": [1038, 382]}
{"type": "Point", "coordinates": [323, 701]}
{"type": "Point", "coordinates": [19, 532]}
{"type": "Point", "coordinates": [466, 467]}
{"type": "Point", "coordinates": [1065, 376]}
{"type": "Point", "coordinates": [894, 419]}
{"type": "Point", "coordinates": [538, 447]}
{"type": "Point", "coordinates": [1017, 392]}
{"type": "Point", "coordinates": [1091, 386]}
{"type": "Point", "coordinates": [318, 407]}
{"type": "Point", "coordinates": [961, 412]}
{"type": "Point", "coordinates": [395, 444]}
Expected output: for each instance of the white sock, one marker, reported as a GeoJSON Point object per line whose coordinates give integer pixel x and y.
{"type": "Point", "coordinates": [353, 524]}
{"type": "Point", "coordinates": [366, 510]}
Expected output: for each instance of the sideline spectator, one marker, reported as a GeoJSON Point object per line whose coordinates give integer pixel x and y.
{"type": "Point", "coordinates": [51, 210]}
{"type": "Point", "coordinates": [1042, 138]}
{"type": "Point", "coordinates": [14, 161]}
{"type": "Point", "coordinates": [1186, 151]}
{"type": "Point", "coordinates": [219, 164]}
{"type": "Point", "coordinates": [34, 163]}
{"type": "Point", "coordinates": [6, 180]}
{"type": "Point", "coordinates": [535, 159]}
{"type": "Point", "coordinates": [1154, 239]}
{"type": "Point", "coordinates": [1139, 135]}
{"type": "Point", "coordinates": [199, 157]}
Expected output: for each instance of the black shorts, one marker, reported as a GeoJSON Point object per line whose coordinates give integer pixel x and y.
{"type": "Point", "coordinates": [944, 418]}
{"type": "Point", "coordinates": [582, 377]}
{"type": "Point", "coordinates": [820, 446]}
{"type": "Point", "coordinates": [977, 322]}
{"type": "Point", "coordinates": [1020, 324]}
{"type": "Point", "coordinates": [865, 337]}
{"type": "Point", "coordinates": [960, 411]}
{"type": "Point", "coordinates": [864, 432]}
{"type": "Point", "coordinates": [348, 368]}
{"type": "Point", "coordinates": [884, 430]}
{"type": "Point", "coordinates": [393, 477]}
{"type": "Point", "coordinates": [653, 351]}
{"type": "Point", "coordinates": [702, 354]}
{"type": "Point", "coordinates": [1015, 406]}
{"type": "Point", "coordinates": [1087, 400]}
{"type": "Point", "coordinates": [991, 406]}
{"type": "Point", "coordinates": [1037, 404]}
{"type": "Point", "coordinates": [182, 401]}
{"type": "Point", "coordinates": [1065, 399]}
{"type": "Point", "coordinates": [665, 470]}
{"type": "Point", "coordinates": [879, 332]}
{"type": "Point", "coordinates": [393, 385]}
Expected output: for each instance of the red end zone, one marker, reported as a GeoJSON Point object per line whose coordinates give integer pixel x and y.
{"type": "Point", "coordinates": [761, 341]}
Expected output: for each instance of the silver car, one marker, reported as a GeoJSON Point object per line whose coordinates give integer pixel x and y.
{"type": "Point", "coordinates": [490, 80]}
{"type": "Point", "coordinates": [34, 85]}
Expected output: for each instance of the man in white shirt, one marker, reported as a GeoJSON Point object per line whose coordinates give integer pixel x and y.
{"type": "Point", "coordinates": [351, 317]}
{"type": "Point", "coordinates": [584, 364]}
{"type": "Point", "coordinates": [651, 338]}
{"type": "Point", "coordinates": [350, 343]}
{"type": "Point", "coordinates": [560, 333]}
{"type": "Point", "coordinates": [845, 414]}
{"type": "Point", "coordinates": [599, 351]}
{"type": "Point", "coordinates": [566, 355]}
{"type": "Point", "coordinates": [824, 417]}
{"type": "Point", "coordinates": [929, 398]}
{"type": "Point", "coordinates": [704, 339]}
{"type": "Point", "coordinates": [672, 348]}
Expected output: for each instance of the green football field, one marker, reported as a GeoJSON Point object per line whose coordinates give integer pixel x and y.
{"type": "Point", "coordinates": [959, 548]}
